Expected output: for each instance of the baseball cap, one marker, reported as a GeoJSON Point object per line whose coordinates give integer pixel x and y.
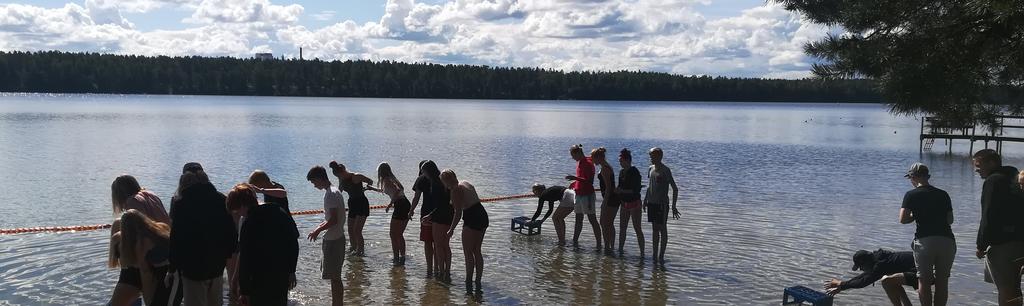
{"type": "Point", "coordinates": [191, 167]}
{"type": "Point", "coordinates": [862, 259]}
{"type": "Point", "coordinates": [917, 170]}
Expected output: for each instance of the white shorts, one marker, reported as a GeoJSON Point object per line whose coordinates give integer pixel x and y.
{"type": "Point", "coordinates": [585, 204]}
{"type": "Point", "coordinates": [568, 199]}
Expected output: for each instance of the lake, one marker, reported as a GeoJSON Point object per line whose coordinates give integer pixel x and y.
{"type": "Point", "coordinates": [772, 194]}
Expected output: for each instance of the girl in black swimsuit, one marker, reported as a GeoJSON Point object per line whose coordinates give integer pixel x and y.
{"type": "Point", "coordinates": [440, 220]}
{"type": "Point", "coordinates": [358, 204]}
{"type": "Point", "coordinates": [467, 205]}
{"type": "Point", "coordinates": [389, 185]}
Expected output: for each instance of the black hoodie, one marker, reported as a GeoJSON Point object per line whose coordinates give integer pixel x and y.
{"type": "Point", "coordinates": [203, 234]}
{"type": "Point", "coordinates": [269, 250]}
{"type": "Point", "coordinates": [886, 263]}
{"type": "Point", "coordinates": [999, 209]}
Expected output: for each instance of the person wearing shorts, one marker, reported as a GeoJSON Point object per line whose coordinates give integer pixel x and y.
{"type": "Point", "coordinates": [934, 246]}
{"type": "Point", "coordinates": [656, 202]}
{"type": "Point", "coordinates": [894, 269]}
{"type": "Point", "coordinates": [333, 245]}
{"type": "Point", "coordinates": [1001, 231]}
{"type": "Point", "coordinates": [628, 189]}
{"type": "Point", "coordinates": [421, 191]}
{"type": "Point", "coordinates": [583, 185]}
{"type": "Point", "coordinates": [389, 185]}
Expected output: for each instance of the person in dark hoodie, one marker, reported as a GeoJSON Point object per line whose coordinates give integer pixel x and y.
{"type": "Point", "coordinates": [1000, 234]}
{"type": "Point", "coordinates": [203, 240]}
{"type": "Point", "coordinates": [894, 269]}
{"type": "Point", "coordinates": [268, 249]}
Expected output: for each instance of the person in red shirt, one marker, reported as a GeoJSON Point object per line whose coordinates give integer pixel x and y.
{"type": "Point", "coordinates": [583, 185]}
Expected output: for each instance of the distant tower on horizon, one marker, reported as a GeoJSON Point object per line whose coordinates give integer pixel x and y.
{"type": "Point", "coordinates": [300, 53]}
{"type": "Point", "coordinates": [264, 56]}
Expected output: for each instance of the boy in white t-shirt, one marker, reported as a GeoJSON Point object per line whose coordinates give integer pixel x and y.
{"type": "Point", "coordinates": [333, 246]}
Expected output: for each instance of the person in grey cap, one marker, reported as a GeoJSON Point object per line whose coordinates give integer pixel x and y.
{"type": "Point", "coordinates": [894, 269]}
{"type": "Point", "coordinates": [934, 246]}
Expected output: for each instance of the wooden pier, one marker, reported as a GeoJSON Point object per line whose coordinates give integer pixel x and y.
{"type": "Point", "coordinates": [933, 128]}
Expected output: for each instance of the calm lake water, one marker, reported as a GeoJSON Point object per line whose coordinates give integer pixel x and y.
{"type": "Point", "coordinates": [772, 195]}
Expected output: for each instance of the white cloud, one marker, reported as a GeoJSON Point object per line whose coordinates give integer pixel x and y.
{"type": "Point", "coordinates": [656, 35]}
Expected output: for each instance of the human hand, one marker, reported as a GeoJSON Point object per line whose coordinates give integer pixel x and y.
{"type": "Point", "coordinates": [570, 177]}
{"type": "Point", "coordinates": [312, 235]}
{"type": "Point", "coordinates": [425, 218]}
{"type": "Point", "coordinates": [833, 283]}
{"type": "Point", "coordinates": [169, 279]}
{"type": "Point", "coordinates": [833, 291]}
{"type": "Point", "coordinates": [386, 209]}
{"type": "Point", "coordinates": [675, 213]}
{"type": "Point", "coordinates": [451, 233]}
{"type": "Point", "coordinates": [980, 254]}
{"type": "Point", "coordinates": [291, 281]}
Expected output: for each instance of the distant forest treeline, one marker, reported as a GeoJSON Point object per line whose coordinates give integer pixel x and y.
{"type": "Point", "coordinates": [61, 72]}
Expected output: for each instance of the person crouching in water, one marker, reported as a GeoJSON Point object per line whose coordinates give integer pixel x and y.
{"type": "Point", "coordinates": [894, 269]}
{"type": "Point", "coordinates": [566, 201]}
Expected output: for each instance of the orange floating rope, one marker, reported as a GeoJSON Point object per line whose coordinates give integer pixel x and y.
{"type": "Point", "coordinates": [80, 228]}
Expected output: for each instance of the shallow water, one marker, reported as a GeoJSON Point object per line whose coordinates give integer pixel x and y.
{"type": "Point", "coordinates": [772, 195]}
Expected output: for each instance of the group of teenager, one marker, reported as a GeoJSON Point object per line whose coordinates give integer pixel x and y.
{"type": "Point", "coordinates": [180, 256]}
{"type": "Point", "coordinates": [616, 196]}
{"type": "Point", "coordinates": [928, 265]}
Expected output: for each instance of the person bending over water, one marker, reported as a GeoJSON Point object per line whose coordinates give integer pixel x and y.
{"type": "Point", "coordinates": [583, 185]}
{"type": "Point", "coordinates": [421, 190]}
{"type": "Point", "coordinates": [271, 190]}
{"type": "Point", "coordinates": [467, 206]}
{"type": "Point", "coordinates": [126, 193]}
{"type": "Point", "coordinates": [333, 246]}
{"type": "Point", "coordinates": [629, 193]}
{"type": "Point", "coordinates": [934, 246]}
{"type": "Point", "coordinates": [656, 202]}
{"type": "Point", "coordinates": [145, 246]}
{"type": "Point", "coordinates": [609, 199]}
{"type": "Point", "coordinates": [389, 185]}
{"type": "Point", "coordinates": [894, 269]}
{"type": "Point", "coordinates": [358, 204]}
{"type": "Point", "coordinates": [440, 220]}
{"type": "Point", "coordinates": [562, 195]}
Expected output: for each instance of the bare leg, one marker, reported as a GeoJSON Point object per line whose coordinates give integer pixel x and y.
{"type": "Point", "coordinates": [479, 257]}
{"type": "Point", "coordinates": [467, 251]}
{"type": "Point", "coordinates": [596, 228]}
{"type": "Point", "coordinates": [350, 226]}
{"type": "Point", "coordinates": [664, 242]}
{"type": "Point", "coordinates": [402, 225]}
{"type": "Point", "coordinates": [337, 292]}
{"type": "Point", "coordinates": [124, 295]}
{"type": "Point", "coordinates": [656, 245]}
{"type": "Point", "coordinates": [893, 285]}
{"type": "Point", "coordinates": [559, 221]}
{"type": "Point", "coordinates": [924, 292]}
{"type": "Point", "coordinates": [608, 226]}
{"type": "Point", "coordinates": [442, 249]}
{"type": "Point", "coordinates": [623, 223]}
{"type": "Point", "coordinates": [395, 234]}
{"type": "Point", "coordinates": [360, 223]}
{"type": "Point", "coordinates": [635, 214]}
{"type": "Point", "coordinates": [578, 227]}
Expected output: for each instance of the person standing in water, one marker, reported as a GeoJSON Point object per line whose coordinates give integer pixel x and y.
{"type": "Point", "coordinates": [358, 204]}
{"type": "Point", "coordinates": [333, 245]}
{"type": "Point", "coordinates": [934, 246]}
{"type": "Point", "coordinates": [583, 185]}
{"type": "Point", "coordinates": [656, 202]}
{"type": "Point", "coordinates": [421, 190]}
{"type": "Point", "coordinates": [268, 249]}
{"type": "Point", "coordinates": [441, 221]}
{"type": "Point", "coordinates": [467, 205]}
{"type": "Point", "coordinates": [126, 193]}
{"type": "Point", "coordinates": [609, 199]}
{"type": "Point", "coordinates": [389, 185]}
{"type": "Point", "coordinates": [144, 246]}
{"type": "Point", "coordinates": [629, 193]}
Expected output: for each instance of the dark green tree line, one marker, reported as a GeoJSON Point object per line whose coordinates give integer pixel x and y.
{"type": "Point", "coordinates": [60, 72]}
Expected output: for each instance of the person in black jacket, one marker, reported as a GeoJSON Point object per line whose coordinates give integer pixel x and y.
{"type": "Point", "coordinates": [894, 269]}
{"type": "Point", "coordinates": [268, 249]}
{"type": "Point", "coordinates": [202, 239]}
{"type": "Point", "coordinates": [1001, 232]}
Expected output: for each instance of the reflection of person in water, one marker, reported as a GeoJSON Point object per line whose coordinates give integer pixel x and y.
{"type": "Point", "coordinates": [550, 195]}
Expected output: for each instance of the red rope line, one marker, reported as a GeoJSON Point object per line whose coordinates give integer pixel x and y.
{"type": "Point", "coordinates": [79, 228]}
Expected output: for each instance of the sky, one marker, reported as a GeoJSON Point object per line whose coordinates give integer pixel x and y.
{"type": "Point", "coordinates": [736, 38]}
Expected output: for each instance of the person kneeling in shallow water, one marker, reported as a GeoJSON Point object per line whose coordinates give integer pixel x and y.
{"type": "Point", "coordinates": [894, 269]}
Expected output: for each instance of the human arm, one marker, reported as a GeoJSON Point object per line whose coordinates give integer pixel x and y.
{"type": "Point", "coordinates": [332, 219]}
{"type": "Point", "coordinates": [906, 216]}
{"type": "Point", "coordinates": [457, 205]}
{"type": "Point", "coordinates": [274, 192]}
{"type": "Point", "coordinates": [675, 195]}
{"type": "Point", "coordinates": [415, 201]}
{"type": "Point", "coordinates": [362, 179]}
{"type": "Point", "coordinates": [860, 281]}
{"type": "Point", "coordinates": [540, 207]}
